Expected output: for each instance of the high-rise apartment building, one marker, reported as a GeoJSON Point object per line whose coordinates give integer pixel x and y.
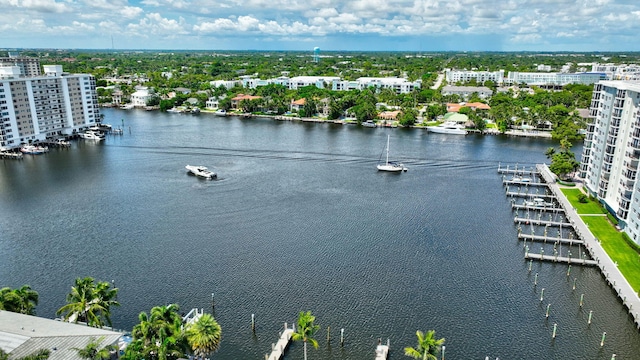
{"type": "Point", "coordinates": [37, 108]}
{"type": "Point", "coordinates": [28, 66]}
{"type": "Point", "coordinates": [611, 151]}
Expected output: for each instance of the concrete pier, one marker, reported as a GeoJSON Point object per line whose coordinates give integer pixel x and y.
{"type": "Point", "coordinates": [608, 268]}
{"type": "Point", "coordinates": [550, 239]}
{"type": "Point", "coordinates": [539, 208]}
{"type": "Point", "coordinates": [278, 349]}
{"type": "Point", "coordinates": [527, 221]}
{"type": "Point", "coordinates": [529, 195]}
{"type": "Point", "coordinates": [560, 259]}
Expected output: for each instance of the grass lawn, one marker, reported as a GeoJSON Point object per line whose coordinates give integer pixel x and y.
{"type": "Point", "coordinates": [619, 251]}
{"type": "Point", "coordinates": [591, 207]}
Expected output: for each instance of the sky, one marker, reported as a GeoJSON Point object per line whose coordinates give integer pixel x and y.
{"type": "Point", "coordinates": [332, 25]}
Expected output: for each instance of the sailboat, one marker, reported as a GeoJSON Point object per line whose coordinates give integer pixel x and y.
{"type": "Point", "coordinates": [391, 166]}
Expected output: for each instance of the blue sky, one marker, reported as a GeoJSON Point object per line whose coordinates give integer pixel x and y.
{"type": "Point", "coordinates": [369, 25]}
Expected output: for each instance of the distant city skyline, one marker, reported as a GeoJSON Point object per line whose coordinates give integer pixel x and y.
{"type": "Point", "coordinates": [332, 25]}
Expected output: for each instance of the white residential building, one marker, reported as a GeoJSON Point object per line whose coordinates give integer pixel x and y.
{"type": "Point", "coordinates": [611, 151]}
{"type": "Point", "coordinates": [399, 85]}
{"type": "Point", "coordinates": [528, 78]}
{"type": "Point", "coordinates": [28, 66]}
{"type": "Point", "coordinates": [228, 84]}
{"type": "Point", "coordinates": [466, 91]}
{"type": "Point", "coordinates": [40, 107]}
{"type": "Point", "coordinates": [454, 76]}
{"type": "Point", "coordinates": [560, 79]}
{"type": "Point", "coordinates": [141, 96]}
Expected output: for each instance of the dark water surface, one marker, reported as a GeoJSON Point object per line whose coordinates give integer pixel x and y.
{"type": "Point", "coordinates": [300, 219]}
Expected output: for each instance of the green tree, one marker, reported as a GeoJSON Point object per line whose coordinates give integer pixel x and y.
{"type": "Point", "coordinates": [204, 336]}
{"type": "Point", "coordinates": [564, 161]}
{"type": "Point", "coordinates": [408, 117]}
{"type": "Point", "coordinates": [428, 346]}
{"type": "Point", "coordinates": [90, 302]}
{"type": "Point", "coordinates": [305, 330]}
{"type": "Point", "coordinates": [158, 335]}
{"type": "Point", "coordinates": [93, 350]}
{"type": "Point", "coordinates": [22, 300]}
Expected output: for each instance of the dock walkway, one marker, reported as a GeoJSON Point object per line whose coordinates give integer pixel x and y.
{"type": "Point", "coordinates": [550, 239]}
{"type": "Point", "coordinates": [561, 259]}
{"type": "Point", "coordinates": [528, 221]}
{"type": "Point", "coordinates": [608, 268]}
{"type": "Point", "coordinates": [278, 349]}
{"type": "Point", "coordinates": [529, 195]}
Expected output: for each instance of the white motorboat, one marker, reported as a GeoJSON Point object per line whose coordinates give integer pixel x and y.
{"type": "Point", "coordinates": [201, 171]}
{"type": "Point", "coordinates": [92, 135]}
{"type": "Point", "coordinates": [448, 127]}
{"type": "Point", "coordinates": [221, 112]}
{"type": "Point", "coordinates": [34, 149]}
{"type": "Point", "coordinates": [538, 202]}
{"type": "Point", "coordinates": [391, 166]}
{"type": "Point", "coordinates": [369, 123]}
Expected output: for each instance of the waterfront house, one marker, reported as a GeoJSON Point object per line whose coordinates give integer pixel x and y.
{"type": "Point", "coordinates": [236, 100]}
{"type": "Point", "coordinates": [141, 96]}
{"type": "Point", "coordinates": [296, 105]}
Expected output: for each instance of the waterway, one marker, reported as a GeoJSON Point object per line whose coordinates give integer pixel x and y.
{"type": "Point", "coordinates": [299, 219]}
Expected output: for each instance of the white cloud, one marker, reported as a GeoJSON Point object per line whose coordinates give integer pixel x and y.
{"type": "Point", "coordinates": [46, 6]}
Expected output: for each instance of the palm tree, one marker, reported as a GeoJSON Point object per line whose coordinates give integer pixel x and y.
{"type": "Point", "coordinates": [305, 331]}
{"type": "Point", "coordinates": [22, 300]}
{"type": "Point", "coordinates": [428, 347]}
{"type": "Point", "coordinates": [89, 302]}
{"type": "Point", "coordinates": [204, 335]}
{"type": "Point", "coordinates": [93, 350]}
{"type": "Point", "coordinates": [160, 334]}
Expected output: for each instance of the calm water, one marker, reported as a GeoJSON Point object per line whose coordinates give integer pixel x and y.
{"type": "Point", "coordinates": [299, 219]}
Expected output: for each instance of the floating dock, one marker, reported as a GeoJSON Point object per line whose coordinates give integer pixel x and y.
{"type": "Point", "coordinates": [11, 155]}
{"type": "Point", "coordinates": [533, 207]}
{"type": "Point", "coordinates": [278, 349]}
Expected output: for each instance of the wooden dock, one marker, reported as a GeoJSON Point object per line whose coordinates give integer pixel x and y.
{"type": "Point", "coordinates": [278, 349]}
{"type": "Point", "coordinates": [11, 155]}
{"type": "Point", "coordinates": [382, 351]}
{"type": "Point", "coordinates": [522, 170]}
{"type": "Point", "coordinates": [523, 183]}
{"type": "Point", "coordinates": [532, 207]}
{"type": "Point", "coordinates": [526, 221]}
{"type": "Point", "coordinates": [560, 259]}
{"type": "Point", "coordinates": [550, 239]}
{"type": "Point", "coordinates": [529, 195]}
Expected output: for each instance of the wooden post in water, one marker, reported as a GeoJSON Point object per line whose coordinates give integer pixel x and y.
{"type": "Point", "coordinates": [590, 314]}
{"type": "Point", "coordinates": [569, 270]}
{"type": "Point", "coordinates": [581, 299]}
{"type": "Point", "coordinates": [574, 283]}
{"type": "Point", "coordinates": [341, 337]}
{"type": "Point", "coordinates": [328, 334]}
{"type": "Point", "coordinates": [253, 323]}
{"type": "Point", "coordinates": [555, 326]}
{"type": "Point", "coordinates": [547, 315]}
{"type": "Point", "coordinates": [604, 334]}
{"type": "Point", "coordinates": [213, 303]}
{"type": "Point", "coordinates": [530, 263]}
{"type": "Point", "coordinates": [542, 295]}
{"type": "Point", "coordinates": [535, 280]}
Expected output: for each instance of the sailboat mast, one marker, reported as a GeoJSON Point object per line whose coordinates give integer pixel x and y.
{"type": "Point", "coordinates": [388, 149]}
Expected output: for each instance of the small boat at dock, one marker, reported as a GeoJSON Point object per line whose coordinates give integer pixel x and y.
{"type": "Point", "coordinates": [33, 149]}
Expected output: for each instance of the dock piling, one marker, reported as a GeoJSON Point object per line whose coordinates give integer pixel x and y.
{"type": "Point", "coordinates": [547, 314]}
{"type": "Point", "coordinates": [604, 334]}
{"type": "Point", "coordinates": [542, 295]}
{"type": "Point", "coordinates": [341, 337]}
{"type": "Point", "coordinates": [555, 326]}
{"type": "Point", "coordinates": [590, 315]}
{"type": "Point", "coordinates": [253, 323]}
{"type": "Point", "coordinates": [581, 299]}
